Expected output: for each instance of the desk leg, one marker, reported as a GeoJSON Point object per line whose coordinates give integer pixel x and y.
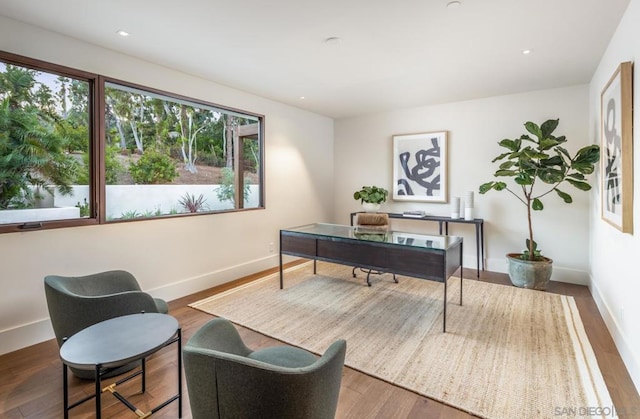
{"type": "Point", "coordinates": [482, 243]}
{"type": "Point", "coordinates": [461, 270]}
{"type": "Point", "coordinates": [444, 312]}
{"type": "Point", "coordinates": [98, 391]}
{"type": "Point", "coordinates": [65, 390]}
{"type": "Point", "coordinates": [180, 372]}
{"type": "Point", "coordinates": [478, 250]}
{"type": "Point", "coordinates": [281, 281]}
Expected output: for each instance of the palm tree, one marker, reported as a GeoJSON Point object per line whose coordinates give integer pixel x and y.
{"type": "Point", "coordinates": [31, 153]}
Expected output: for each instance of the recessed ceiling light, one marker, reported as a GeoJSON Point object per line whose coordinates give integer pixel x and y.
{"type": "Point", "coordinates": [301, 98]}
{"type": "Point", "coordinates": [526, 51]}
{"type": "Point", "coordinates": [333, 40]}
{"type": "Point", "coordinates": [453, 4]}
{"type": "Point", "coordinates": [122, 33]}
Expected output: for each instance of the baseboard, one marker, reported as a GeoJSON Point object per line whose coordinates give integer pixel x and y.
{"type": "Point", "coordinates": [560, 273]}
{"type": "Point", "coordinates": [629, 357]}
{"type": "Point", "coordinates": [29, 334]}
{"type": "Point", "coordinates": [25, 335]}
{"type": "Point", "coordinates": [194, 284]}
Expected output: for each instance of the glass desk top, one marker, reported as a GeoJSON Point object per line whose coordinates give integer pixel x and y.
{"type": "Point", "coordinates": [391, 237]}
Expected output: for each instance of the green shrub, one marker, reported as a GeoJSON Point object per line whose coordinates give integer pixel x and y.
{"type": "Point", "coordinates": [227, 190]}
{"type": "Point", "coordinates": [153, 167]}
{"type": "Point", "coordinates": [113, 167]}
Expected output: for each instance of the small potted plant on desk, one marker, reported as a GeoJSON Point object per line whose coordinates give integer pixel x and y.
{"type": "Point", "coordinates": [539, 161]}
{"type": "Point", "coordinates": [371, 197]}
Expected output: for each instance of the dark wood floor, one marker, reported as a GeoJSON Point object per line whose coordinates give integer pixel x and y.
{"type": "Point", "coordinates": [31, 378]}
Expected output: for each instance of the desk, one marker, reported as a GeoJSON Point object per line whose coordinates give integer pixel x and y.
{"type": "Point", "coordinates": [116, 342]}
{"type": "Point", "coordinates": [478, 222]}
{"type": "Point", "coordinates": [435, 258]}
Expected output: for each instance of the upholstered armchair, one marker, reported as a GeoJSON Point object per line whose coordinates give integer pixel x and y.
{"type": "Point", "coordinates": [225, 379]}
{"type": "Point", "coordinates": [76, 303]}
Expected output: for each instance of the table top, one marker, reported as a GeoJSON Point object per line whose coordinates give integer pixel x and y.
{"type": "Point", "coordinates": [428, 217]}
{"type": "Point", "coordinates": [118, 341]}
{"type": "Point", "coordinates": [390, 237]}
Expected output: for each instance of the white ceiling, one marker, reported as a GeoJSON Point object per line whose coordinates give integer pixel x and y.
{"type": "Point", "coordinates": [392, 55]}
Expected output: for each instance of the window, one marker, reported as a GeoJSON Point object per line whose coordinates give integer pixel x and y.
{"type": "Point", "coordinates": [87, 150]}
{"type": "Point", "coordinates": [45, 146]}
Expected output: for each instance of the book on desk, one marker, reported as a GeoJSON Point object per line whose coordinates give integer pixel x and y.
{"type": "Point", "coordinates": [414, 214]}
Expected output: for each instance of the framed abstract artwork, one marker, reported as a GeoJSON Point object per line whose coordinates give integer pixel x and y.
{"type": "Point", "coordinates": [420, 167]}
{"type": "Point", "coordinates": [616, 149]}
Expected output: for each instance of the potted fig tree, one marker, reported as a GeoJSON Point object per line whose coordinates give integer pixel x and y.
{"type": "Point", "coordinates": [538, 165]}
{"type": "Point", "coordinates": [371, 197]}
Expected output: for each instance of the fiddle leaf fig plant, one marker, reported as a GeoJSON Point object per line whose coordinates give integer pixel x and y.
{"type": "Point", "coordinates": [538, 164]}
{"type": "Point", "coordinates": [371, 194]}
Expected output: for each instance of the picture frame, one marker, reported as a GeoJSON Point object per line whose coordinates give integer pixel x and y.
{"type": "Point", "coordinates": [616, 151]}
{"type": "Point", "coordinates": [420, 167]}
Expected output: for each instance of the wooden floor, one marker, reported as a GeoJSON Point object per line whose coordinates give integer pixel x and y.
{"type": "Point", "coordinates": [31, 378]}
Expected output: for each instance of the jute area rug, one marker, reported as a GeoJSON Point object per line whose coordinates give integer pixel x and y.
{"type": "Point", "coordinates": [507, 353]}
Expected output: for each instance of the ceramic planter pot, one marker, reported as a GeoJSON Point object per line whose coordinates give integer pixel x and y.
{"type": "Point", "coordinates": [370, 207]}
{"type": "Point", "coordinates": [529, 274]}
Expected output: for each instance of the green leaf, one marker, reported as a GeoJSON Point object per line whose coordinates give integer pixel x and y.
{"type": "Point", "coordinates": [576, 175]}
{"type": "Point", "coordinates": [534, 129]}
{"type": "Point", "coordinates": [563, 151]}
{"type": "Point", "coordinates": [548, 127]}
{"type": "Point", "coordinates": [510, 144]}
{"type": "Point", "coordinates": [534, 154]}
{"type": "Point", "coordinates": [523, 179]}
{"type": "Point", "coordinates": [547, 143]}
{"type": "Point", "coordinates": [499, 186]}
{"type": "Point", "coordinates": [500, 157]}
{"type": "Point", "coordinates": [505, 172]}
{"type": "Point", "coordinates": [507, 165]}
{"type": "Point", "coordinates": [549, 175]}
{"type": "Point", "coordinates": [486, 187]}
{"type": "Point", "coordinates": [552, 161]}
{"type": "Point", "coordinates": [583, 186]}
{"type": "Point", "coordinates": [565, 196]}
{"type": "Point", "coordinates": [588, 154]}
{"type": "Point", "coordinates": [585, 168]}
{"type": "Point", "coordinates": [561, 139]}
{"type": "Point", "coordinates": [537, 205]}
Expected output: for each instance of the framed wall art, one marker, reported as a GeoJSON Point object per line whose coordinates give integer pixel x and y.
{"type": "Point", "coordinates": [420, 167]}
{"type": "Point", "coordinates": [616, 149]}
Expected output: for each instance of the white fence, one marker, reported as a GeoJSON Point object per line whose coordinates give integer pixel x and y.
{"type": "Point", "coordinates": [127, 201]}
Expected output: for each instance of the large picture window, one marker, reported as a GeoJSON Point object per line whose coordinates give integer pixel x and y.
{"type": "Point", "coordinates": [82, 150]}
{"type": "Point", "coordinates": [170, 156]}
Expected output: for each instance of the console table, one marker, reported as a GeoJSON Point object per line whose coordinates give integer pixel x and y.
{"type": "Point", "coordinates": [116, 342]}
{"type": "Point", "coordinates": [435, 258]}
{"type": "Point", "coordinates": [478, 222]}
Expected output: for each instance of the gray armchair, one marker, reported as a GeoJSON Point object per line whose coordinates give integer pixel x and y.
{"type": "Point", "coordinates": [76, 303]}
{"type": "Point", "coordinates": [225, 379]}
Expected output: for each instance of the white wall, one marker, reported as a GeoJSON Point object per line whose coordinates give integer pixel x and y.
{"type": "Point", "coordinates": [363, 147]}
{"type": "Point", "coordinates": [614, 281]}
{"type": "Point", "coordinates": [175, 257]}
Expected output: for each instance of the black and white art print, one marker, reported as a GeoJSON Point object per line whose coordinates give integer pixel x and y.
{"type": "Point", "coordinates": [420, 167]}
{"type": "Point", "coordinates": [617, 150]}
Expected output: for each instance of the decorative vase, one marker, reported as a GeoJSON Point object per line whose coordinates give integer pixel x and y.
{"type": "Point", "coordinates": [370, 206]}
{"type": "Point", "coordinates": [455, 208]}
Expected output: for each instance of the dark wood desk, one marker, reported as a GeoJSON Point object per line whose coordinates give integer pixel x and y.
{"type": "Point", "coordinates": [435, 258]}
{"type": "Point", "coordinates": [478, 222]}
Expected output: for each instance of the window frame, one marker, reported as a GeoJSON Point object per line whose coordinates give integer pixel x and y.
{"type": "Point", "coordinates": [97, 144]}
